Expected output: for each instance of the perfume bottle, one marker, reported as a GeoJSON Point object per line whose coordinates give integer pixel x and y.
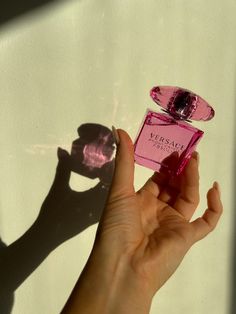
{"type": "Point", "coordinates": [166, 141]}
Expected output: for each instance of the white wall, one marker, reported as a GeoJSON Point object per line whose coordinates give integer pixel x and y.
{"type": "Point", "coordinates": [95, 61]}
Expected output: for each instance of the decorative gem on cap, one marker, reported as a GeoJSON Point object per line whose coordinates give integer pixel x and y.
{"type": "Point", "coordinates": [181, 103]}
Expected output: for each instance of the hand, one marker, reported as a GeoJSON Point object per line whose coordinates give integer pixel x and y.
{"type": "Point", "coordinates": [143, 236]}
{"type": "Point", "coordinates": [153, 225]}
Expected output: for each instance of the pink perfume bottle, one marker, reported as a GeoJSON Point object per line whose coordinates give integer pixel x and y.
{"type": "Point", "coordinates": [166, 141]}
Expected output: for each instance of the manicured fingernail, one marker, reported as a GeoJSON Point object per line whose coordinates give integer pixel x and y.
{"type": "Point", "coordinates": [175, 154]}
{"type": "Point", "coordinates": [116, 135]}
{"type": "Point", "coordinates": [217, 187]}
{"type": "Point", "coordinates": [196, 156]}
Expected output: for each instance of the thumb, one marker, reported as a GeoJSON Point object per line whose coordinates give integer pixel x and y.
{"type": "Point", "coordinates": [62, 176]}
{"type": "Point", "coordinates": [123, 178]}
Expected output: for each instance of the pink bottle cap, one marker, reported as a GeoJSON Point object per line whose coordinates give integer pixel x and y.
{"type": "Point", "coordinates": [182, 103]}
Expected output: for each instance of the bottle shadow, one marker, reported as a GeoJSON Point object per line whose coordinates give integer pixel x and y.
{"type": "Point", "coordinates": [64, 212]}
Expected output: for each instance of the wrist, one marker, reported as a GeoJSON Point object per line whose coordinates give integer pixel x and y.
{"type": "Point", "coordinates": [109, 285]}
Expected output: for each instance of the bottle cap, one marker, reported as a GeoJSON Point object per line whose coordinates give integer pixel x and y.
{"type": "Point", "coordinates": [181, 103]}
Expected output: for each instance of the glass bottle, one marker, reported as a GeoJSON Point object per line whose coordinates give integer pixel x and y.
{"type": "Point", "coordinates": [166, 141]}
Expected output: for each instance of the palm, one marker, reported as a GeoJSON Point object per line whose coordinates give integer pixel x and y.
{"type": "Point", "coordinates": [165, 249]}
{"type": "Point", "coordinates": [165, 211]}
{"type": "Point", "coordinates": [155, 222]}
{"type": "Point", "coordinates": [152, 226]}
{"type": "Point", "coordinates": [161, 209]}
{"type": "Point", "coordinates": [160, 218]}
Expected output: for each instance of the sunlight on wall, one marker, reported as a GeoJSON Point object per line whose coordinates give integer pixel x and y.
{"type": "Point", "coordinates": [76, 62]}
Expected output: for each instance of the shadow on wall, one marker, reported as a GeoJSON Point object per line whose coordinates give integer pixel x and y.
{"type": "Point", "coordinates": [64, 213]}
{"type": "Point", "coordinates": [11, 9]}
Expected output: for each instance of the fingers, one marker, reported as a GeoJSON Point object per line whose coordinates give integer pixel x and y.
{"type": "Point", "coordinates": [188, 197]}
{"type": "Point", "coordinates": [62, 177]}
{"type": "Point", "coordinates": [207, 223]}
{"type": "Point", "coordinates": [159, 182]}
{"type": "Point", "coordinates": [151, 186]}
{"type": "Point", "coordinates": [122, 183]}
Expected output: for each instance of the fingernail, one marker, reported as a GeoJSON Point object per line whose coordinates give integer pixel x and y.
{"type": "Point", "coordinates": [217, 187]}
{"type": "Point", "coordinates": [115, 135]}
{"type": "Point", "coordinates": [196, 156]}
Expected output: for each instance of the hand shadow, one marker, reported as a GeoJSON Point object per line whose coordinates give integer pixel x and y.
{"type": "Point", "coordinates": [64, 213]}
{"type": "Point", "coordinates": [68, 212]}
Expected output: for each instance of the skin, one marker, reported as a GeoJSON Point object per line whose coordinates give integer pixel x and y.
{"type": "Point", "coordinates": [142, 237]}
